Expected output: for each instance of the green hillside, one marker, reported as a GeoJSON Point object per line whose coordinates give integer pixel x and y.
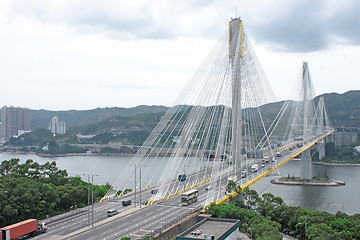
{"type": "Point", "coordinates": [132, 125]}
{"type": "Point", "coordinates": [41, 118]}
{"type": "Point", "coordinates": [344, 109]}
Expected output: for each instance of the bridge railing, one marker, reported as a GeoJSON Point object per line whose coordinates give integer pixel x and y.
{"type": "Point", "coordinates": [254, 177]}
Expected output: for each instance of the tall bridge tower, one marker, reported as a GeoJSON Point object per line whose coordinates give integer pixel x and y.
{"type": "Point", "coordinates": [305, 170]}
{"type": "Point", "coordinates": [236, 54]}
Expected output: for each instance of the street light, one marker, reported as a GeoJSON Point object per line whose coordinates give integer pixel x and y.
{"type": "Point", "coordinates": [88, 187]}
{"type": "Point", "coordinates": [140, 184]}
{"type": "Point", "coordinates": [92, 200]}
{"type": "Point", "coordinates": [135, 184]}
{"type": "Point", "coordinates": [305, 226]}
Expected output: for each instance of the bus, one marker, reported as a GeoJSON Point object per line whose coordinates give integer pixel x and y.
{"type": "Point", "coordinates": [189, 197]}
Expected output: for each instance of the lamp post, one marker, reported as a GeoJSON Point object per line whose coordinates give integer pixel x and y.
{"type": "Point", "coordinates": [88, 200]}
{"type": "Point", "coordinates": [134, 183]}
{"type": "Point", "coordinates": [140, 188]}
{"type": "Point", "coordinates": [92, 199]}
{"type": "Point", "coordinates": [135, 186]}
{"type": "Point", "coordinates": [88, 187]}
{"type": "Point", "coordinates": [140, 184]}
{"type": "Point", "coordinates": [304, 226]}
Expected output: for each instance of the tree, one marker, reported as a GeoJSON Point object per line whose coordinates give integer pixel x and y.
{"type": "Point", "coordinates": [31, 190]}
{"type": "Point", "coordinates": [321, 231]}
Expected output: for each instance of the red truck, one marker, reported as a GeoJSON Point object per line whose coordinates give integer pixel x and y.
{"type": "Point", "coordinates": [29, 227]}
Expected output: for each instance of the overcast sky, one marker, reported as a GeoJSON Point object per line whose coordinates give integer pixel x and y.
{"type": "Point", "coordinates": [84, 54]}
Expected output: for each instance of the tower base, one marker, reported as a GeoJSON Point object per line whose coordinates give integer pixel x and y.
{"type": "Point", "coordinates": [305, 164]}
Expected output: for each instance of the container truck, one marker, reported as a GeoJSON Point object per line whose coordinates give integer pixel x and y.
{"type": "Point", "coordinates": [30, 227]}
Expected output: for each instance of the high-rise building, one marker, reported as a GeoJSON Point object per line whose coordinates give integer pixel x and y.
{"type": "Point", "coordinates": [13, 120]}
{"type": "Point", "coordinates": [56, 126]}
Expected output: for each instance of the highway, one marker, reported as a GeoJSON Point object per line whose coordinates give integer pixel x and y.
{"type": "Point", "coordinates": [138, 222]}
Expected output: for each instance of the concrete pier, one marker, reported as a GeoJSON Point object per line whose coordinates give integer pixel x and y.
{"type": "Point", "coordinates": [321, 149]}
{"type": "Point", "coordinates": [305, 165]}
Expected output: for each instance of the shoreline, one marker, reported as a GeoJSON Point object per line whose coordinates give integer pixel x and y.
{"type": "Point", "coordinates": [339, 164]}
{"type": "Point", "coordinates": [335, 164]}
{"type": "Point", "coordinates": [333, 183]}
{"type": "Point", "coordinates": [71, 154]}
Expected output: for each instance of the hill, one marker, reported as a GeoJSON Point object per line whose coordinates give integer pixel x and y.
{"type": "Point", "coordinates": [41, 118]}
{"type": "Point", "coordinates": [132, 125]}
{"type": "Point", "coordinates": [343, 109]}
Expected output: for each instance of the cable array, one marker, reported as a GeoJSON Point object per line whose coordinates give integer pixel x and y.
{"type": "Point", "coordinates": [220, 106]}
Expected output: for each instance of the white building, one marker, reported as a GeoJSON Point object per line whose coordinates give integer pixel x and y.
{"type": "Point", "coordinates": [56, 126]}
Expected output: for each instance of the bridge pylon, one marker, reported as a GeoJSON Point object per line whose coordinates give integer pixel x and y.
{"type": "Point", "coordinates": [305, 162]}
{"type": "Point", "coordinates": [236, 53]}
{"type": "Point", "coordinates": [321, 149]}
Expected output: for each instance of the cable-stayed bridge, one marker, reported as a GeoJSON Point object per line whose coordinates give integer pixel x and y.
{"type": "Point", "coordinates": [222, 127]}
{"type": "Point", "coordinates": [220, 119]}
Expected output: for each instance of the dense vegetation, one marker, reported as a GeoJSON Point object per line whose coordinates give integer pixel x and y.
{"type": "Point", "coordinates": [31, 190]}
{"type": "Point", "coordinates": [122, 150]}
{"type": "Point", "coordinates": [346, 153]}
{"type": "Point", "coordinates": [117, 130]}
{"type": "Point", "coordinates": [343, 109]}
{"type": "Point", "coordinates": [41, 118]}
{"type": "Point", "coordinates": [264, 217]}
{"type": "Point", "coordinates": [51, 147]}
{"type": "Point", "coordinates": [131, 126]}
{"type": "Point", "coordinates": [33, 138]}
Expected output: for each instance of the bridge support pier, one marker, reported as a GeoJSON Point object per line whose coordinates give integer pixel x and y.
{"type": "Point", "coordinates": [305, 163]}
{"type": "Point", "coordinates": [321, 149]}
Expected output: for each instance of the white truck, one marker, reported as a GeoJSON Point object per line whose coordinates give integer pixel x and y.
{"type": "Point", "coordinates": [232, 178]}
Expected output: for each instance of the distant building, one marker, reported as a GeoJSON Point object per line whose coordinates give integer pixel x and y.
{"type": "Point", "coordinates": [14, 120]}
{"type": "Point", "coordinates": [83, 138]}
{"type": "Point", "coordinates": [342, 138]}
{"type": "Point", "coordinates": [21, 132]}
{"type": "Point", "coordinates": [56, 126]}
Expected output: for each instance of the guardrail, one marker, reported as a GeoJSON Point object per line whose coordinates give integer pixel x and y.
{"type": "Point", "coordinates": [253, 178]}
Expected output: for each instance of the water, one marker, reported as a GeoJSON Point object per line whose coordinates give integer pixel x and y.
{"type": "Point", "coordinates": [330, 199]}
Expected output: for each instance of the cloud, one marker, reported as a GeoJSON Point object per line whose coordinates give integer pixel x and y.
{"type": "Point", "coordinates": [307, 26]}
{"type": "Point", "coordinates": [129, 20]}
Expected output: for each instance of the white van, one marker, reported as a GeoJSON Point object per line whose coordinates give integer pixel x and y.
{"type": "Point", "coordinates": [254, 168]}
{"type": "Point", "coordinates": [111, 212]}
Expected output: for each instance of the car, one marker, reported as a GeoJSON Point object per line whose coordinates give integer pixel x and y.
{"type": "Point", "coordinates": [254, 168]}
{"type": "Point", "coordinates": [126, 202]}
{"type": "Point", "coordinates": [182, 178]}
{"type": "Point", "coordinates": [111, 212]}
{"type": "Point", "coordinates": [196, 232]}
{"type": "Point", "coordinates": [243, 173]}
{"type": "Point", "coordinates": [154, 191]}
{"type": "Point", "coordinates": [208, 187]}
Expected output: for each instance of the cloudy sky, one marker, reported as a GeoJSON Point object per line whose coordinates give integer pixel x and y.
{"type": "Point", "coordinates": [84, 54]}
